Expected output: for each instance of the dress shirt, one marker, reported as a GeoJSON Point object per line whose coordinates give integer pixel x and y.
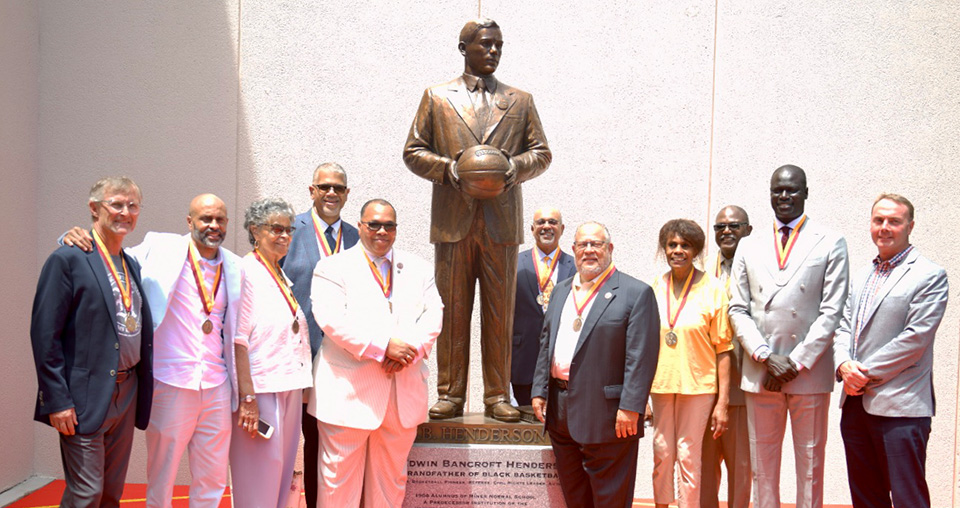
{"type": "Point", "coordinates": [323, 229]}
{"type": "Point", "coordinates": [184, 356]}
{"type": "Point", "coordinates": [279, 358]}
{"type": "Point", "coordinates": [129, 343]}
{"type": "Point", "coordinates": [703, 331]}
{"type": "Point", "coordinates": [376, 351]}
{"type": "Point", "coordinates": [541, 255]}
{"type": "Point", "coordinates": [881, 271]}
{"type": "Point", "coordinates": [722, 271]}
{"type": "Point", "coordinates": [567, 338]}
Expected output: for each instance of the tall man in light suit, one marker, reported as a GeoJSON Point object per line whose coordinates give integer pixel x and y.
{"type": "Point", "coordinates": [92, 340]}
{"type": "Point", "coordinates": [380, 313]}
{"type": "Point", "coordinates": [538, 272]}
{"type": "Point", "coordinates": [598, 357]}
{"type": "Point", "coordinates": [193, 285]}
{"type": "Point", "coordinates": [320, 233]}
{"type": "Point", "coordinates": [733, 446]}
{"type": "Point", "coordinates": [476, 239]}
{"type": "Point", "coordinates": [788, 286]}
{"type": "Point", "coordinates": [884, 354]}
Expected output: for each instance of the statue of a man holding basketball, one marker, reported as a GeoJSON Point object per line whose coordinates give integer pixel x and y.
{"type": "Point", "coordinates": [477, 216]}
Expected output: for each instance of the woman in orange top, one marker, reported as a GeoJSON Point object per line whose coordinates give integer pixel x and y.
{"type": "Point", "coordinates": [695, 347]}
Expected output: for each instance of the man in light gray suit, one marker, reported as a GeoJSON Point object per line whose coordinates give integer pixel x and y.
{"type": "Point", "coordinates": [788, 286]}
{"type": "Point", "coordinates": [884, 353]}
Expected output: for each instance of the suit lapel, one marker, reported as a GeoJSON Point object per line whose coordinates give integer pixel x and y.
{"type": "Point", "coordinates": [898, 272]}
{"type": "Point", "coordinates": [527, 264]}
{"type": "Point", "coordinates": [100, 273]}
{"type": "Point", "coordinates": [501, 97]}
{"type": "Point", "coordinates": [310, 240]}
{"type": "Point", "coordinates": [809, 237]}
{"type": "Point", "coordinates": [459, 99]}
{"type": "Point", "coordinates": [600, 304]}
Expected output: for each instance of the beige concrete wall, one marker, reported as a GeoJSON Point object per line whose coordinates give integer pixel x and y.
{"type": "Point", "coordinates": [19, 114]}
{"type": "Point", "coordinates": [654, 110]}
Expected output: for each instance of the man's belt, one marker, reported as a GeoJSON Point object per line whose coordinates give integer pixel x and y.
{"type": "Point", "coordinates": [561, 384]}
{"type": "Point", "coordinates": [122, 375]}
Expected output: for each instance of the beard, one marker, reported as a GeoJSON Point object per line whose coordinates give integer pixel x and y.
{"type": "Point", "coordinates": [204, 238]}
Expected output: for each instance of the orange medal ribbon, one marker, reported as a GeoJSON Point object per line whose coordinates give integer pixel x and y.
{"type": "Point", "coordinates": [717, 274]}
{"type": "Point", "coordinates": [328, 250]}
{"type": "Point", "coordinates": [385, 285]}
{"type": "Point", "coordinates": [207, 298]}
{"type": "Point", "coordinates": [593, 291]}
{"type": "Point", "coordinates": [124, 288]}
{"type": "Point", "coordinates": [543, 276]}
{"type": "Point", "coordinates": [282, 284]}
{"type": "Point", "coordinates": [783, 253]}
{"type": "Point", "coordinates": [687, 286]}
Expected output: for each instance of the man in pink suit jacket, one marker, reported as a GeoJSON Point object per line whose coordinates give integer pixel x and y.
{"type": "Point", "coordinates": [381, 315]}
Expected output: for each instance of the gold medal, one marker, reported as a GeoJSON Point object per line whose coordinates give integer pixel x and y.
{"type": "Point", "coordinates": [131, 323]}
{"type": "Point", "coordinates": [296, 326]}
{"type": "Point", "coordinates": [207, 297]}
{"type": "Point", "coordinates": [540, 299]}
{"type": "Point", "coordinates": [577, 324]}
{"type": "Point", "coordinates": [671, 338]}
{"type": "Point", "coordinates": [207, 326]}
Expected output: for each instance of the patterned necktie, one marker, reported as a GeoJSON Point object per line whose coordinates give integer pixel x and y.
{"type": "Point", "coordinates": [548, 289]}
{"type": "Point", "coordinates": [784, 236]}
{"type": "Point", "coordinates": [331, 241]}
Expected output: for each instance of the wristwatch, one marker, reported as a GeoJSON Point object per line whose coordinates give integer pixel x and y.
{"type": "Point", "coordinates": [249, 398]}
{"type": "Point", "coordinates": [762, 357]}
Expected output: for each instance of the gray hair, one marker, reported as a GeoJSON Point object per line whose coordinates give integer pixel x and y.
{"type": "Point", "coordinates": [259, 211]}
{"type": "Point", "coordinates": [114, 183]}
{"type": "Point", "coordinates": [331, 166]}
{"type": "Point", "coordinates": [606, 232]}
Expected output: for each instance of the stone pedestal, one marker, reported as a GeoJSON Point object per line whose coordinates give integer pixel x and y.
{"type": "Point", "coordinates": [475, 461]}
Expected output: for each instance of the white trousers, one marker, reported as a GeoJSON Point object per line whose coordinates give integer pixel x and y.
{"type": "Point", "coordinates": [199, 422]}
{"type": "Point", "coordinates": [371, 462]}
{"type": "Point", "coordinates": [767, 422]}
{"type": "Point", "coordinates": [678, 425]}
{"type": "Point", "coordinates": [262, 469]}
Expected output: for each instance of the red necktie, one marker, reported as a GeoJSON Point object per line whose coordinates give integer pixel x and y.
{"type": "Point", "coordinates": [785, 230]}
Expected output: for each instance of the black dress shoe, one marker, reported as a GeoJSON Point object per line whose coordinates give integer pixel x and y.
{"type": "Point", "coordinates": [502, 411]}
{"type": "Point", "coordinates": [445, 409]}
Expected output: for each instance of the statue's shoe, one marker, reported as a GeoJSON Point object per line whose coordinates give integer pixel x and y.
{"type": "Point", "coordinates": [502, 411]}
{"type": "Point", "coordinates": [445, 409]}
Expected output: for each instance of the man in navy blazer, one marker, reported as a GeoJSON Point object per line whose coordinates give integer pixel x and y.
{"type": "Point", "coordinates": [92, 340]}
{"type": "Point", "coordinates": [538, 271]}
{"type": "Point", "coordinates": [320, 233]}
{"type": "Point", "coordinates": [884, 355]}
{"type": "Point", "coordinates": [598, 355]}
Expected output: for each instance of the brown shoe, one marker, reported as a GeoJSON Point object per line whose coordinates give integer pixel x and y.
{"type": "Point", "coordinates": [502, 411]}
{"type": "Point", "coordinates": [445, 409]}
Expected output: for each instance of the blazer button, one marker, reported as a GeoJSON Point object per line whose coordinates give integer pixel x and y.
{"type": "Point", "coordinates": [760, 288]}
{"type": "Point", "coordinates": [794, 312]}
{"type": "Point", "coordinates": [113, 373]}
{"type": "Point", "coordinates": [793, 337]}
{"type": "Point", "coordinates": [116, 345]}
{"type": "Point", "coordinates": [802, 287]}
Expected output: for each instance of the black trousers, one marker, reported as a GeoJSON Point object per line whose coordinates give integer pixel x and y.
{"type": "Point", "coordinates": [886, 457]}
{"type": "Point", "coordinates": [311, 452]}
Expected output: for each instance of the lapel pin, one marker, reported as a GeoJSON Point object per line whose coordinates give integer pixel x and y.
{"type": "Point", "coordinates": [399, 266]}
{"type": "Point", "coordinates": [502, 103]}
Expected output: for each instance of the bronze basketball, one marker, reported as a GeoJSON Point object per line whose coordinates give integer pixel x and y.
{"type": "Point", "coordinates": [482, 170]}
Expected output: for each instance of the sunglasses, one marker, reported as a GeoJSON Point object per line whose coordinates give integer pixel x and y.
{"type": "Point", "coordinates": [278, 230]}
{"type": "Point", "coordinates": [389, 227]}
{"type": "Point", "coordinates": [734, 226]}
{"type": "Point", "coordinates": [325, 187]}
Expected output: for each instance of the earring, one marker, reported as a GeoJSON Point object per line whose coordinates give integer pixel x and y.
{"type": "Point", "coordinates": [256, 244]}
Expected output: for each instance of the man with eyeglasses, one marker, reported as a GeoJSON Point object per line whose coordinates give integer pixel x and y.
{"type": "Point", "coordinates": [370, 375]}
{"type": "Point", "coordinates": [594, 372]}
{"type": "Point", "coordinates": [92, 339]}
{"type": "Point", "coordinates": [476, 239]}
{"type": "Point", "coordinates": [733, 446]}
{"type": "Point", "coordinates": [538, 271]}
{"type": "Point", "coordinates": [320, 233]}
{"type": "Point", "coordinates": [193, 286]}
{"type": "Point", "coordinates": [788, 286]}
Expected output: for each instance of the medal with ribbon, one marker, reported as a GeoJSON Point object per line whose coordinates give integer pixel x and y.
{"type": "Point", "coordinates": [671, 337]}
{"type": "Point", "coordinates": [328, 250]}
{"type": "Point", "coordinates": [544, 275]}
{"type": "Point", "coordinates": [783, 251]}
{"type": "Point", "coordinates": [207, 297]}
{"type": "Point", "coordinates": [130, 322]}
{"type": "Point", "coordinates": [386, 285]}
{"type": "Point", "coordinates": [284, 290]}
{"type": "Point", "coordinates": [578, 321]}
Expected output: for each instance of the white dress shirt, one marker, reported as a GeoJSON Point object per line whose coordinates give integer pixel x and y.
{"type": "Point", "coordinates": [567, 338]}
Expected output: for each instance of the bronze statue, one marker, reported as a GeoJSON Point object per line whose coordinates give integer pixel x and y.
{"type": "Point", "coordinates": [476, 239]}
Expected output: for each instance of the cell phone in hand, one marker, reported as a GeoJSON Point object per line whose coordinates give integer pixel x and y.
{"type": "Point", "coordinates": [264, 429]}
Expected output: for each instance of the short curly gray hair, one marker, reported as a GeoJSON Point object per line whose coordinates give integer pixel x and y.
{"type": "Point", "coordinates": [259, 211]}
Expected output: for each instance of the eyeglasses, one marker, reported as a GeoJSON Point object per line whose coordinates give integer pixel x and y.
{"type": "Point", "coordinates": [552, 222]}
{"type": "Point", "coordinates": [325, 187]}
{"type": "Point", "coordinates": [117, 206]}
{"type": "Point", "coordinates": [389, 227]}
{"type": "Point", "coordinates": [597, 245]}
{"type": "Point", "coordinates": [734, 226]}
{"type": "Point", "coordinates": [278, 230]}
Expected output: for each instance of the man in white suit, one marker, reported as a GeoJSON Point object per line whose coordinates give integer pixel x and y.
{"type": "Point", "coordinates": [381, 314]}
{"type": "Point", "coordinates": [788, 286]}
{"type": "Point", "coordinates": [884, 353]}
{"type": "Point", "coordinates": [192, 285]}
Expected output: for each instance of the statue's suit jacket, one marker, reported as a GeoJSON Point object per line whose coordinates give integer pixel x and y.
{"type": "Point", "coordinates": [75, 340]}
{"type": "Point", "coordinates": [444, 126]}
{"type": "Point", "coordinates": [614, 360]}
{"type": "Point", "coordinates": [528, 315]}
{"type": "Point", "coordinates": [300, 261]}
{"type": "Point", "coordinates": [896, 343]}
{"type": "Point", "coordinates": [796, 310]}
{"type": "Point", "coordinates": [353, 390]}
{"type": "Point", "coordinates": [162, 256]}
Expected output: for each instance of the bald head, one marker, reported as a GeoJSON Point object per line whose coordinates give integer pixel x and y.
{"type": "Point", "coordinates": [207, 220]}
{"type": "Point", "coordinates": [788, 192]}
{"type": "Point", "coordinates": [731, 225]}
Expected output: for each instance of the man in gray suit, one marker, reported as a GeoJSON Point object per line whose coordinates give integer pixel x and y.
{"type": "Point", "coordinates": [788, 286]}
{"type": "Point", "coordinates": [884, 353]}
